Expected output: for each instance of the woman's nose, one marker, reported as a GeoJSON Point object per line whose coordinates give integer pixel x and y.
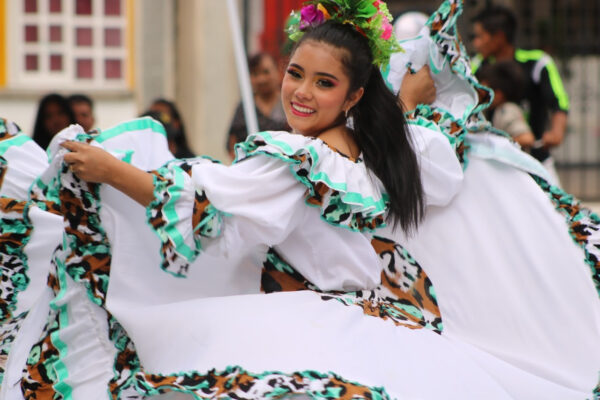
{"type": "Point", "coordinates": [304, 90]}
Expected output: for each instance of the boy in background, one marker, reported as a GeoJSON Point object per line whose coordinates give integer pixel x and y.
{"type": "Point", "coordinates": [507, 81]}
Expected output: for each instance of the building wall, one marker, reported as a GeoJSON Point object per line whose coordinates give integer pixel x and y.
{"type": "Point", "coordinates": [155, 51]}
{"type": "Point", "coordinates": [206, 85]}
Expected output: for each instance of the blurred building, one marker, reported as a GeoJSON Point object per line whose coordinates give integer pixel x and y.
{"type": "Point", "coordinates": [123, 53]}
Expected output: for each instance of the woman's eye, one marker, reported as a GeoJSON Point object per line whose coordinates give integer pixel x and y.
{"type": "Point", "coordinates": [325, 83]}
{"type": "Point", "coordinates": [294, 73]}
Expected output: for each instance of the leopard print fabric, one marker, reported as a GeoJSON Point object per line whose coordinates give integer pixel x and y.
{"type": "Point", "coordinates": [15, 234]}
{"type": "Point", "coordinates": [39, 375]}
{"type": "Point", "coordinates": [8, 332]}
{"type": "Point", "coordinates": [405, 296]}
{"type": "Point", "coordinates": [89, 260]}
{"type": "Point", "coordinates": [584, 225]}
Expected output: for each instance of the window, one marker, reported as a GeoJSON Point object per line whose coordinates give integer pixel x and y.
{"type": "Point", "coordinates": [81, 44]}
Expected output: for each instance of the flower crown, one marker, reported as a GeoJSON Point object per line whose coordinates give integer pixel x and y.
{"type": "Point", "coordinates": [371, 18]}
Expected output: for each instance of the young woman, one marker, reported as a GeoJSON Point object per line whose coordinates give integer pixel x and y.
{"type": "Point", "coordinates": [293, 217]}
{"type": "Point", "coordinates": [54, 114]}
{"type": "Point", "coordinates": [298, 217]}
{"type": "Point", "coordinates": [176, 136]}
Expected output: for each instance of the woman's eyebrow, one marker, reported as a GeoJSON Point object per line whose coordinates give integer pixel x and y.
{"type": "Point", "coordinates": [317, 73]}
{"type": "Point", "coordinates": [327, 75]}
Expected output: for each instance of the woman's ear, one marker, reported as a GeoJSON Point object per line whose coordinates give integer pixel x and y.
{"type": "Point", "coordinates": [354, 98]}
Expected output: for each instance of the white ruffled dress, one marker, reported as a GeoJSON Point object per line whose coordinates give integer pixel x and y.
{"type": "Point", "coordinates": [515, 261]}
{"type": "Point", "coordinates": [111, 323]}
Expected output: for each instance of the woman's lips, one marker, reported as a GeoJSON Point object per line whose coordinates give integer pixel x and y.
{"type": "Point", "coordinates": [301, 110]}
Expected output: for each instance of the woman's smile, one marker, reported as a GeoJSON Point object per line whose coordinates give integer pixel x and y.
{"type": "Point", "coordinates": [301, 110]}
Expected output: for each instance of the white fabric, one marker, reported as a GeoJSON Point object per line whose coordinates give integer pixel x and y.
{"type": "Point", "coordinates": [90, 355]}
{"type": "Point", "coordinates": [548, 163]}
{"type": "Point", "coordinates": [441, 173]}
{"type": "Point", "coordinates": [296, 331]}
{"type": "Point", "coordinates": [409, 24]}
{"type": "Point", "coordinates": [509, 278]}
{"type": "Point", "coordinates": [25, 163]}
{"type": "Point", "coordinates": [45, 236]}
{"type": "Point", "coordinates": [452, 93]}
{"type": "Point", "coordinates": [256, 331]}
{"type": "Point", "coordinates": [28, 335]}
{"type": "Point", "coordinates": [267, 207]}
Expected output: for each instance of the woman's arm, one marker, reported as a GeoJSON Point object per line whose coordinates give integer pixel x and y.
{"type": "Point", "coordinates": [92, 164]}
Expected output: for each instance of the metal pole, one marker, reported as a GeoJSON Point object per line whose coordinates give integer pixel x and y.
{"type": "Point", "coordinates": [242, 69]}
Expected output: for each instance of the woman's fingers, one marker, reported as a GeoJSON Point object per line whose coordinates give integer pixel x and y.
{"type": "Point", "coordinates": [73, 146]}
{"type": "Point", "coordinates": [70, 158]}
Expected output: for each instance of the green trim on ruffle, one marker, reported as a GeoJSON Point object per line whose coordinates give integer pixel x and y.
{"type": "Point", "coordinates": [169, 182]}
{"type": "Point", "coordinates": [133, 125]}
{"type": "Point", "coordinates": [169, 189]}
{"type": "Point", "coordinates": [18, 140]}
{"type": "Point", "coordinates": [365, 210]}
{"type": "Point", "coordinates": [239, 382]}
{"type": "Point", "coordinates": [62, 319]}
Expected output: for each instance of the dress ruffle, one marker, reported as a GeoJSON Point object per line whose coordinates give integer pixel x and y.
{"type": "Point", "coordinates": [175, 204]}
{"type": "Point", "coordinates": [347, 194]}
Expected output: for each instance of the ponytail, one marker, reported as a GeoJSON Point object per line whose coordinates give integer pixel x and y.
{"type": "Point", "coordinates": [381, 132]}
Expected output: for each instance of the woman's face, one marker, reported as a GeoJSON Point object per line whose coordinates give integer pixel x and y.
{"type": "Point", "coordinates": [264, 78]}
{"type": "Point", "coordinates": [315, 89]}
{"type": "Point", "coordinates": [55, 118]}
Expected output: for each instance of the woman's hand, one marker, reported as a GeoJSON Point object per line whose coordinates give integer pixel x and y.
{"type": "Point", "coordinates": [417, 88]}
{"type": "Point", "coordinates": [93, 164]}
{"type": "Point", "coordinates": [90, 163]}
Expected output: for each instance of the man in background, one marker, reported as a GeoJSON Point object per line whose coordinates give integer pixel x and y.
{"type": "Point", "coordinates": [545, 100]}
{"type": "Point", "coordinates": [83, 108]}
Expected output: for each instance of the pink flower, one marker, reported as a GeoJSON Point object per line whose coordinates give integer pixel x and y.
{"type": "Point", "coordinates": [387, 30]}
{"type": "Point", "coordinates": [310, 16]}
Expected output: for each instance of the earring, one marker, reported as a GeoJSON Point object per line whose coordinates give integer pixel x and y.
{"type": "Point", "coordinates": [346, 113]}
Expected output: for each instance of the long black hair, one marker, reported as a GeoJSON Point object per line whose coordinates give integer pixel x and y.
{"type": "Point", "coordinates": [379, 127]}
{"type": "Point", "coordinates": [41, 135]}
{"type": "Point", "coordinates": [178, 136]}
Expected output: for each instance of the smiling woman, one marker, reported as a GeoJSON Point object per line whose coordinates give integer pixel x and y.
{"type": "Point", "coordinates": [294, 217]}
{"type": "Point", "coordinates": [291, 287]}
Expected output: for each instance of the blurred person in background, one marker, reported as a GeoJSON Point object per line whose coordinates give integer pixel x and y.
{"type": "Point", "coordinates": [168, 114]}
{"type": "Point", "coordinates": [83, 108]}
{"type": "Point", "coordinates": [266, 82]}
{"type": "Point", "coordinates": [545, 100]}
{"type": "Point", "coordinates": [507, 81]}
{"type": "Point", "coordinates": [53, 115]}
